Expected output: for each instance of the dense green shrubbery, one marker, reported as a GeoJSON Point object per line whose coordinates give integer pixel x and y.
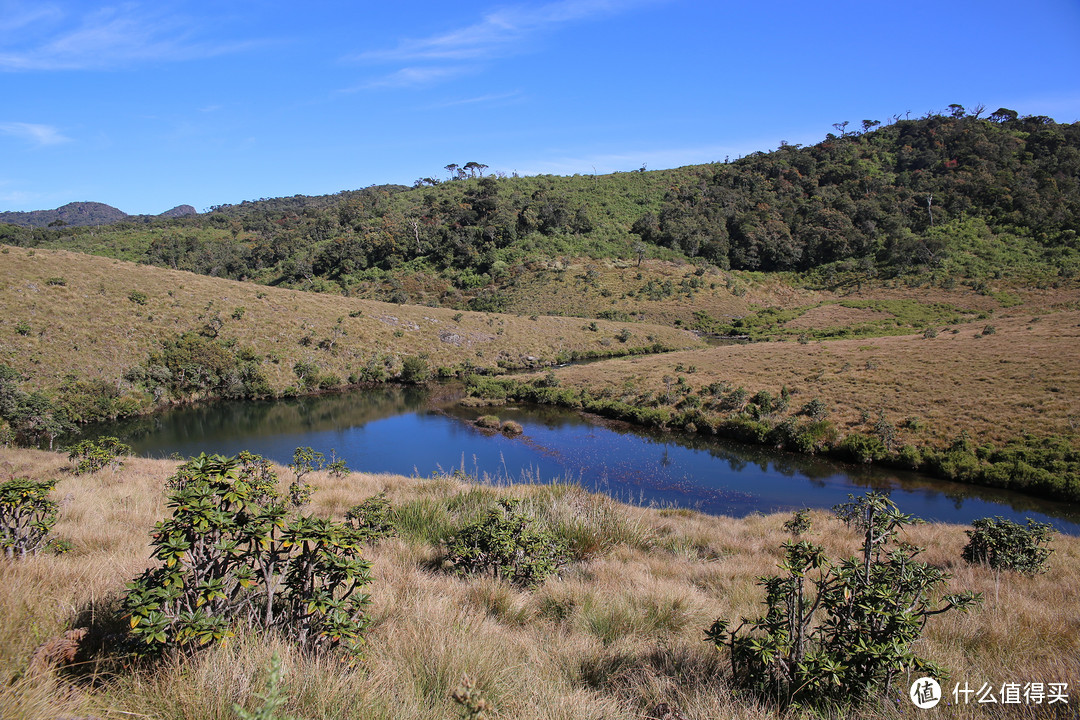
{"type": "Point", "coordinates": [85, 401]}
{"type": "Point", "coordinates": [372, 519]}
{"type": "Point", "coordinates": [27, 515]}
{"type": "Point", "coordinates": [1006, 545]}
{"type": "Point", "coordinates": [507, 544]}
{"type": "Point", "coordinates": [860, 448]}
{"type": "Point", "coordinates": [415, 370]}
{"type": "Point", "coordinates": [89, 456]}
{"type": "Point", "coordinates": [192, 366]}
{"type": "Point", "coordinates": [233, 556]}
{"type": "Point", "coordinates": [28, 418]}
{"type": "Point", "coordinates": [837, 633]}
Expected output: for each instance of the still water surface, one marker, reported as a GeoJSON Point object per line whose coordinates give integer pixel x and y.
{"type": "Point", "coordinates": [412, 431]}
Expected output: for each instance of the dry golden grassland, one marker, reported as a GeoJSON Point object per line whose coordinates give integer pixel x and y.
{"type": "Point", "coordinates": [89, 325]}
{"type": "Point", "coordinates": [1021, 378]}
{"type": "Point", "coordinates": [611, 637]}
{"type": "Point", "coordinates": [587, 287]}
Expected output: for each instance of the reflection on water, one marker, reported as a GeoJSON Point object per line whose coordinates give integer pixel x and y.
{"type": "Point", "coordinates": [415, 431]}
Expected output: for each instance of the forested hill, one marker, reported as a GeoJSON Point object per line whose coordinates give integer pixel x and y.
{"type": "Point", "coordinates": [956, 191]}
{"type": "Point", "coordinates": [883, 193]}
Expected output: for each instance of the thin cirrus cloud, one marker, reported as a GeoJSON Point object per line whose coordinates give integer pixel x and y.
{"type": "Point", "coordinates": [409, 76]}
{"type": "Point", "coordinates": [51, 39]}
{"type": "Point", "coordinates": [39, 135]}
{"type": "Point", "coordinates": [499, 33]}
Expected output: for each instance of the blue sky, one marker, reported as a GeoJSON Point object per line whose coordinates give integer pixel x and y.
{"type": "Point", "coordinates": [145, 106]}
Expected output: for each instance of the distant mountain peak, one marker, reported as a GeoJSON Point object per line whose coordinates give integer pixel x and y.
{"type": "Point", "coordinates": [83, 214]}
{"type": "Point", "coordinates": [179, 211]}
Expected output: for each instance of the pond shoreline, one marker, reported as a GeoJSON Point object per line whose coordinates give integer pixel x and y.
{"type": "Point", "coordinates": [419, 431]}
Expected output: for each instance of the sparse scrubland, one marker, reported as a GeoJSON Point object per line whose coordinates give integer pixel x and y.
{"type": "Point", "coordinates": [109, 317]}
{"type": "Point", "coordinates": [615, 633]}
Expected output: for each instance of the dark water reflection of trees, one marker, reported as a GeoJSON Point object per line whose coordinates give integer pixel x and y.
{"type": "Point", "coordinates": [409, 429]}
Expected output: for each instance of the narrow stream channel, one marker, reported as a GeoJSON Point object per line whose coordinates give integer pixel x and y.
{"type": "Point", "coordinates": [413, 431]}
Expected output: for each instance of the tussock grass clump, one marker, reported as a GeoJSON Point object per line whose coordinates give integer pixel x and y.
{"type": "Point", "coordinates": [489, 422]}
{"type": "Point", "coordinates": [509, 427]}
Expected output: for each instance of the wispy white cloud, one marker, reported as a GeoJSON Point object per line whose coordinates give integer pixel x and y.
{"type": "Point", "coordinates": [16, 16]}
{"type": "Point", "coordinates": [495, 98]}
{"type": "Point", "coordinates": [499, 33]}
{"type": "Point", "coordinates": [411, 76]}
{"type": "Point", "coordinates": [107, 37]}
{"type": "Point", "coordinates": [37, 134]}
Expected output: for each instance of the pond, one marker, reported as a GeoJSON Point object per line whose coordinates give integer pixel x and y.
{"type": "Point", "coordinates": [416, 431]}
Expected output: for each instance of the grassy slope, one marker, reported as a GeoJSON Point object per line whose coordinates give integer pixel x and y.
{"type": "Point", "coordinates": [89, 325]}
{"type": "Point", "coordinates": [611, 637]}
{"type": "Point", "coordinates": [1020, 379]}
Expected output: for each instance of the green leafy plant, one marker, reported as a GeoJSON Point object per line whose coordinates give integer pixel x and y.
{"type": "Point", "coordinates": [254, 470]}
{"type": "Point", "coordinates": [507, 544]}
{"type": "Point", "coordinates": [337, 466]}
{"type": "Point", "coordinates": [1007, 545]}
{"type": "Point", "coordinates": [415, 370]}
{"type": "Point", "coordinates": [89, 456]}
{"type": "Point", "coordinates": [372, 519]}
{"type": "Point", "coordinates": [834, 633]}
{"type": "Point", "coordinates": [799, 523]}
{"type": "Point", "coordinates": [230, 561]}
{"type": "Point", "coordinates": [815, 409]}
{"type": "Point", "coordinates": [305, 461]}
{"type": "Point", "coordinates": [138, 297]}
{"type": "Point", "coordinates": [27, 514]}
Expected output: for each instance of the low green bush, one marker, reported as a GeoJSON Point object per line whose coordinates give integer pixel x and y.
{"type": "Point", "coordinates": [860, 448]}
{"type": "Point", "coordinates": [415, 370]}
{"type": "Point", "coordinates": [507, 544]}
{"type": "Point", "coordinates": [230, 561]}
{"type": "Point", "coordinates": [89, 456]}
{"type": "Point", "coordinates": [837, 633]}
{"type": "Point", "coordinates": [372, 519]}
{"type": "Point", "coordinates": [1007, 545]}
{"type": "Point", "coordinates": [27, 515]}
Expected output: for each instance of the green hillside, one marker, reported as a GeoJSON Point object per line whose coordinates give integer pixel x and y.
{"type": "Point", "coordinates": [945, 196]}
